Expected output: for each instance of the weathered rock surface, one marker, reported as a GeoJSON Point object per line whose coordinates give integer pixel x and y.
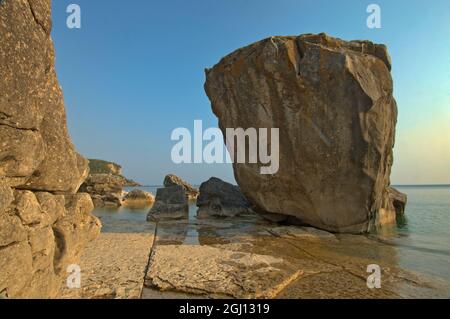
{"type": "Point", "coordinates": [333, 103]}
{"type": "Point", "coordinates": [221, 199]}
{"type": "Point", "coordinates": [173, 180]}
{"type": "Point", "coordinates": [43, 225]}
{"type": "Point", "coordinates": [40, 235]}
{"type": "Point", "coordinates": [36, 152]}
{"type": "Point", "coordinates": [105, 189]}
{"type": "Point", "coordinates": [171, 203]}
{"type": "Point", "coordinates": [138, 197]}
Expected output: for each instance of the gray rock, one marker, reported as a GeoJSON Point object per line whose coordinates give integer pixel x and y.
{"type": "Point", "coordinates": [173, 180]}
{"type": "Point", "coordinates": [333, 104]}
{"type": "Point", "coordinates": [220, 199]}
{"type": "Point", "coordinates": [171, 203]}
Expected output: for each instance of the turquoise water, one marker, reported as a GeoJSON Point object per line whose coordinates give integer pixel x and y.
{"type": "Point", "coordinates": [421, 241]}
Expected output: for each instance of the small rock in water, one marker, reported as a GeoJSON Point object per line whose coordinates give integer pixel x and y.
{"type": "Point", "coordinates": [171, 203]}
{"type": "Point", "coordinates": [138, 197]}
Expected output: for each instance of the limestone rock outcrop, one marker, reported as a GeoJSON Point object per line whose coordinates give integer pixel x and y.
{"type": "Point", "coordinates": [171, 204]}
{"type": "Point", "coordinates": [44, 225]}
{"type": "Point", "coordinates": [220, 199]}
{"type": "Point", "coordinates": [97, 166]}
{"type": "Point", "coordinates": [333, 103]}
{"type": "Point", "coordinates": [105, 189]}
{"type": "Point", "coordinates": [173, 180]}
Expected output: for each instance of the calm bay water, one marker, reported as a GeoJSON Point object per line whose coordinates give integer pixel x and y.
{"type": "Point", "coordinates": [421, 241]}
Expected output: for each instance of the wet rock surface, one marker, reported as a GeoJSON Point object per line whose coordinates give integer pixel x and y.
{"type": "Point", "coordinates": [221, 199]}
{"type": "Point", "coordinates": [333, 103]}
{"type": "Point", "coordinates": [220, 271]}
{"type": "Point", "coordinates": [227, 257]}
{"type": "Point", "coordinates": [44, 225]}
{"type": "Point", "coordinates": [241, 257]}
{"type": "Point", "coordinates": [171, 204]}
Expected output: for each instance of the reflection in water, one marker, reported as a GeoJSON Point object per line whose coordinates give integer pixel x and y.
{"type": "Point", "coordinates": [402, 222]}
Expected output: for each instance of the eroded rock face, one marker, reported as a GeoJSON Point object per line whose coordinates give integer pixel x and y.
{"type": "Point", "coordinates": [40, 235]}
{"type": "Point", "coordinates": [173, 180]}
{"type": "Point", "coordinates": [333, 103]}
{"type": "Point", "coordinates": [171, 203]}
{"type": "Point", "coordinates": [220, 199]}
{"type": "Point", "coordinates": [43, 225]}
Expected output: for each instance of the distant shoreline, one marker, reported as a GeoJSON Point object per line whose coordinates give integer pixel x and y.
{"type": "Point", "coordinates": [396, 185]}
{"type": "Point", "coordinates": [422, 185]}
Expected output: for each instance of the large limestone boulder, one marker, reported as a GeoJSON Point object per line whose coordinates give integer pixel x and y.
{"type": "Point", "coordinates": [220, 199]}
{"type": "Point", "coordinates": [333, 103]}
{"type": "Point", "coordinates": [173, 180]}
{"type": "Point", "coordinates": [171, 204]}
{"type": "Point", "coordinates": [43, 225]}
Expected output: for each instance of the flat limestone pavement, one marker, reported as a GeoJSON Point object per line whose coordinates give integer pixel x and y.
{"type": "Point", "coordinates": [114, 265]}
{"type": "Point", "coordinates": [248, 257]}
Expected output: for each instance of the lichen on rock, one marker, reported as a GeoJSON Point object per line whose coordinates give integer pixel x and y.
{"type": "Point", "coordinates": [333, 103]}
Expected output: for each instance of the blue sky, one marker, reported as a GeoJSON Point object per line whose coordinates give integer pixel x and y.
{"type": "Point", "coordinates": [135, 71]}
